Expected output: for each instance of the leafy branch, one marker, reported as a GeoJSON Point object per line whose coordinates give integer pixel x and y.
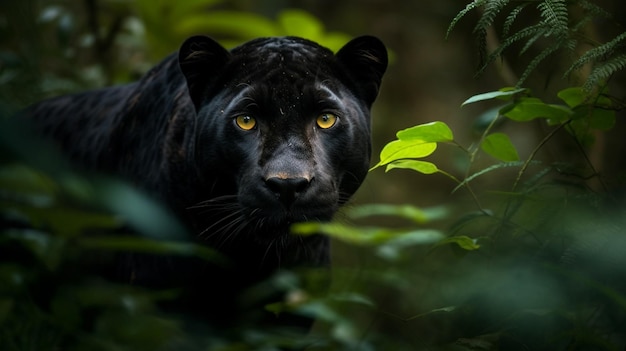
{"type": "Point", "coordinates": [579, 115]}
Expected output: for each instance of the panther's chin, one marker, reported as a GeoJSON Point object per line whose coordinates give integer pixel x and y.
{"type": "Point", "coordinates": [273, 225]}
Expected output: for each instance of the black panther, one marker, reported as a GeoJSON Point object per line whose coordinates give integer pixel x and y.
{"type": "Point", "coordinates": [239, 144]}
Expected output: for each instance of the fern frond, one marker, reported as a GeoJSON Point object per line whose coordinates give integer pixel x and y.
{"type": "Point", "coordinates": [544, 32]}
{"type": "Point", "coordinates": [535, 62]}
{"type": "Point", "coordinates": [554, 12]}
{"type": "Point", "coordinates": [554, 25]}
{"type": "Point", "coordinates": [511, 18]}
{"type": "Point", "coordinates": [603, 71]}
{"type": "Point", "coordinates": [555, 16]}
{"type": "Point", "coordinates": [583, 21]}
{"type": "Point", "coordinates": [474, 4]}
{"type": "Point", "coordinates": [521, 34]}
{"type": "Point", "coordinates": [593, 9]}
{"type": "Point", "coordinates": [596, 53]}
{"type": "Point", "coordinates": [490, 11]}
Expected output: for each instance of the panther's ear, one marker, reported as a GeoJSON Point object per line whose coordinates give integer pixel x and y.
{"type": "Point", "coordinates": [366, 59]}
{"type": "Point", "coordinates": [200, 58]}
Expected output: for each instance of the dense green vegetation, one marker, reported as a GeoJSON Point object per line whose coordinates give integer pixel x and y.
{"type": "Point", "coordinates": [528, 253]}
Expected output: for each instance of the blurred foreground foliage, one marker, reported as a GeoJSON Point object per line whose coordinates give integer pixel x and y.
{"type": "Point", "coordinates": [538, 264]}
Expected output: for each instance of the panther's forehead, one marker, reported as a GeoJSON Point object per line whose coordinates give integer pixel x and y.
{"type": "Point", "coordinates": [281, 59]}
{"type": "Point", "coordinates": [281, 48]}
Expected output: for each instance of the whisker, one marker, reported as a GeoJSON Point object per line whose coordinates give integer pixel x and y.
{"type": "Point", "coordinates": [217, 223]}
{"type": "Point", "coordinates": [232, 230]}
{"type": "Point", "coordinates": [216, 201]}
{"type": "Point", "coordinates": [267, 250]}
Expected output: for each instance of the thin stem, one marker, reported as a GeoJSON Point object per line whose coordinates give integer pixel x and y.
{"type": "Point", "coordinates": [472, 156]}
{"type": "Point", "coordinates": [534, 153]}
{"type": "Point", "coordinates": [594, 171]}
{"type": "Point", "coordinates": [469, 189]}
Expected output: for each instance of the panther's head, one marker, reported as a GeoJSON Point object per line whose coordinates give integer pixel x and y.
{"type": "Point", "coordinates": [283, 127]}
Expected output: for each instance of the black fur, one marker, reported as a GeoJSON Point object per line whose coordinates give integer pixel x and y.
{"type": "Point", "coordinates": [173, 135]}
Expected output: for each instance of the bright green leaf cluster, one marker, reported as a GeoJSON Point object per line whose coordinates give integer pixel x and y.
{"type": "Point", "coordinates": [167, 25]}
{"type": "Point", "coordinates": [414, 143]}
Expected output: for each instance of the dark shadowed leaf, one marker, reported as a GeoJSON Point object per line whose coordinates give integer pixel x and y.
{"type": "Point", "coordinates": [135, 244]}
{"type": "Point", "coordinates": [462, 241]}
{"type": "Point", "coordinates": [527, 109]}
{"type": "Point", "coordinates": [573, 96]}
{"type": "Point", "coordinates": [504, 94]}
{"type": "Point", "coordinates": [499, 146]}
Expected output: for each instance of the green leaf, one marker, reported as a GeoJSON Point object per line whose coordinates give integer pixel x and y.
{"type": "Point", "coordinates": [27, 184]}
{"type": "Point", "coordinates": [579, 128]}
{"type": "Point", "coordinates": [464, 242]}
{"type": "Point", "coordinates": [367, 236]}
{"type": "Point", "coordinates": [419, 166]}
{"type": "Point", "coordinates": [334, 40]}
{"type": "Point", "coordinates": [136, 244]}
{"type": "Point", "coordinates": [346, 233]}
{"type": "Point", "coordinates": [300, 23]}
{"type": "Point", "coordinates": [66, 221]}
{"type": "Point", "coordinates": [527, 109]}
{"type": "Point", "coordinates": [499, 146]}
{"type": "Point", "coordinates": [230, 23]}
{"type": "Point", "coordinates": [391, 250]}
{"type": "Point", "coordinates": [602, 119]}
{"type": "Point", "coordinates": [437, 310]}
{"type": "Point", "coordinates": [594, 117]}
{"type": "Point", "coordinates": [415, 142]}
{"type": "Point", "coordinates": [183, 9]}
{"type": "Point", "coordinates": [151, 219]}
{"type": "Point", "coordinates": [403, 149]}
{"type": "Point", "coordinates": [573, 96]}
{"type": "Point", "coordinates": [409, 212]}
{"type": "Point", "coordinates": [48, 249]}
{"type": "Point", "coordinates": [429, 132]}
{"type": "Point", "coordinates": [504, 94]}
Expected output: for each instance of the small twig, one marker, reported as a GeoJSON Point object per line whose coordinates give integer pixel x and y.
{"type": "Point", "coordinates": [534, 153]}
{"type": "Point", "coordinates": [594, 171]}
{"type": "Point", "coordinates": [469, 189]}
{"type": "Point", "coordinates": [472, 156]}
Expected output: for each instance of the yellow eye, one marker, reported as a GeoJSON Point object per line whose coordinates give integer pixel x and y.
{"type": "Point", "coordinates": [326, 120]}
{"type": "Point", "coordinates": [245, 122]}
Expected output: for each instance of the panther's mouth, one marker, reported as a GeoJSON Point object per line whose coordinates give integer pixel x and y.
{"type": "Point", "coordinates": [289, 216]}
{"type": "Point", "coordinates": [278, 223]}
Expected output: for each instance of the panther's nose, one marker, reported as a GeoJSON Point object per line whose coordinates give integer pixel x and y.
{"type": "Point", "coordinates": [287, 189]}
